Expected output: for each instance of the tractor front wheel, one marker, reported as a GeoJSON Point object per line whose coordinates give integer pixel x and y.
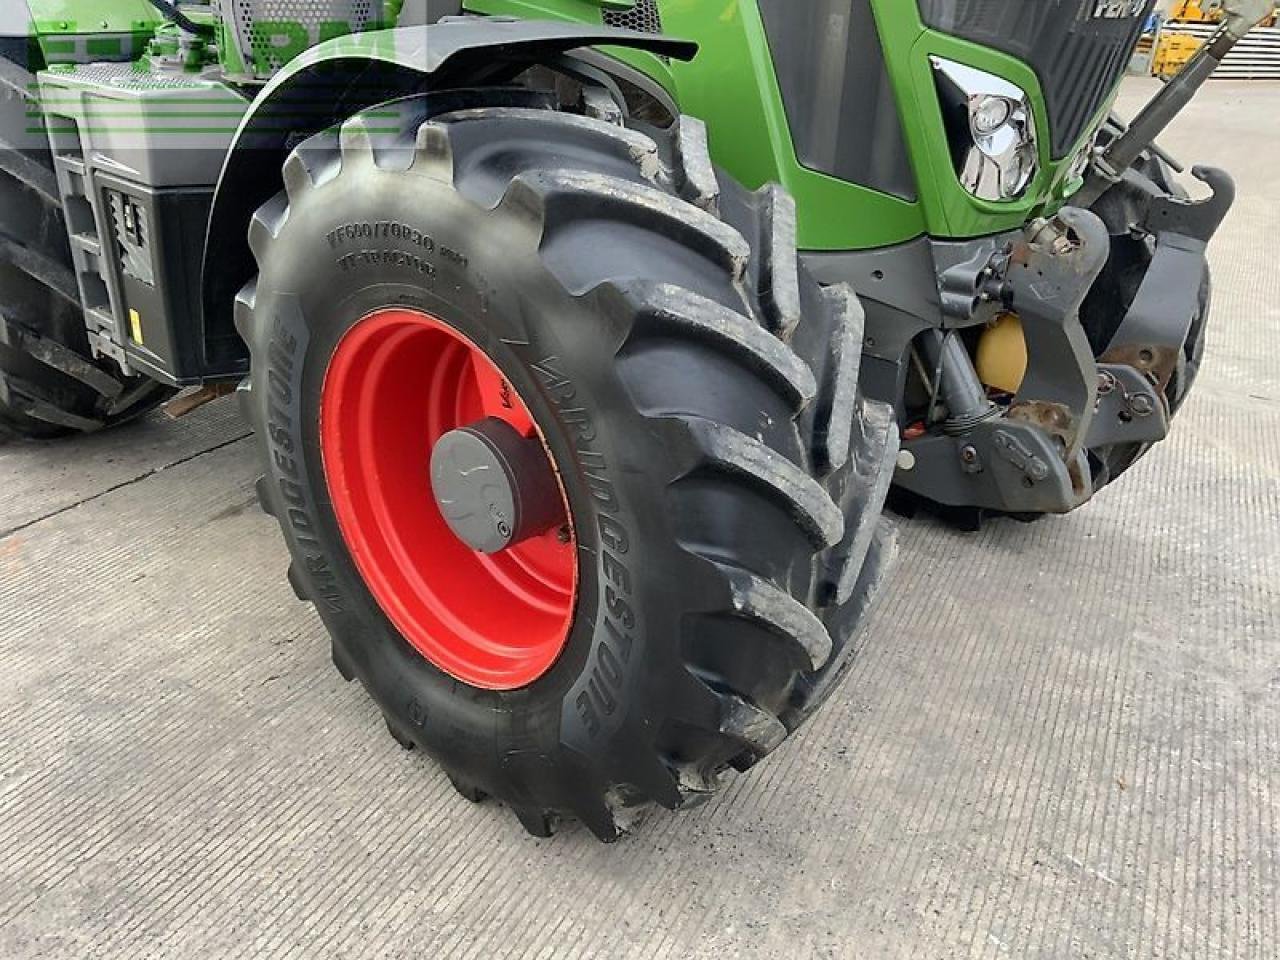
{"type": "Point", "coordinates": [569, 453]}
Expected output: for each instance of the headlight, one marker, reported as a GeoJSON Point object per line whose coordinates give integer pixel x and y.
{"type": "Point", "coordinates": [989, 114]}
{"type": "Point", "coordinates": [991, 130]}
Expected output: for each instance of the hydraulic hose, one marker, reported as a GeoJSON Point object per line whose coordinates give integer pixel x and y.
{"type": "Point", "coordinates": [169, 10]}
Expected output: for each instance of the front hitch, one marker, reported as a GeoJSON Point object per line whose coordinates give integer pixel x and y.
{"type": "Point", "coordinates": [1038, 451]}
{"type": "Point", "coordinates": [1152, 336]}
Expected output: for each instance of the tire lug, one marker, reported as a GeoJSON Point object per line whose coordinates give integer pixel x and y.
{"type": "Point", "coordinates": [538, 823]}
{"type": "Point", "coordinates": [343, 664]}
{"type": "Point", "coordinates": [398, 734]}
{"type": "Point", "coordinates": [467, 791]}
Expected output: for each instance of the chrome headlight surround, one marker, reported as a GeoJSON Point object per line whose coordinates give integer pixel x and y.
{"type": "Point", "coordinates": [991, 129]}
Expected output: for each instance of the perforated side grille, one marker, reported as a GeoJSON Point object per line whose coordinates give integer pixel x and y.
{"type": "Point", "coordinates": [644, 16]}
{"type": "Point", "coordinates": [260, 25]}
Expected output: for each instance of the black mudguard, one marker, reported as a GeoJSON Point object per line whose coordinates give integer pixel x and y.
{"type": "Point", "coordinates": [338, 79]}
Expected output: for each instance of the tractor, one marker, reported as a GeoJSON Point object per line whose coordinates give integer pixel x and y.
{"type": "Point", "coordinates": [585, 340]}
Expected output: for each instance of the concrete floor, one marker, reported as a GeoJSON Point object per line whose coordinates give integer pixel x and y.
{"type": "Point", "coordinates": [1059, 741]}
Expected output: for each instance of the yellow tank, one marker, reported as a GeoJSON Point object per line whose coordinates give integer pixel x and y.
{"type": "Point", "coordinates": [1002, 354]}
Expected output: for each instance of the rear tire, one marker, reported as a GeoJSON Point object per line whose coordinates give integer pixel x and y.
{"type": "Point", "coordinates": [696, 390]}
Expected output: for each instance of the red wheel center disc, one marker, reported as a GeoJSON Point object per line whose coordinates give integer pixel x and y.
{"type": "Point", "coordinates": [399, 380]}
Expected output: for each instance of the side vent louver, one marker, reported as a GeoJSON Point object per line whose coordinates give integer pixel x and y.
{"type": "Point", "coordinates": [644, 16]}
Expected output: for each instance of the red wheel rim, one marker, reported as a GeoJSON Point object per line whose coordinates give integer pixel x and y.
{"type": "Point", "coordinates": [399, 380]}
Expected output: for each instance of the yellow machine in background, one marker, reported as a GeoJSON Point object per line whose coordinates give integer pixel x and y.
{"type": "Point", "coordinates": [1194, 11]}
{"type": "Point", "coordinates": [1172, 53]}
{"type": "Point", "coordinates": [1174, 48]}
{"type": "Point", "coordinates": [1205, 11]}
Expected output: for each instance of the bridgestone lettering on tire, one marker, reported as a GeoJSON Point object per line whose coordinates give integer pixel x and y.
{"type": "Point", "coordinates": [695, 390]}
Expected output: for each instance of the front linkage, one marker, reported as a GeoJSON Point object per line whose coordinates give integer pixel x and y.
{"type": "Point", "coordinates": [1111, 298]}
{"type": "Point", "coordinates": [1091, 390]}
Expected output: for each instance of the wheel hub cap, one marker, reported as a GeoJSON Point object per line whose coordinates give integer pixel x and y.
{"type": "Point", "coordinates": [494, 487]}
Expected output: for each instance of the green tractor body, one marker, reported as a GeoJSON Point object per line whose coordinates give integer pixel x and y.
{"type": "Point", "coordinates": [725, 272]}
{"type": "Point", "coordinates": [862, 110]}
{"type": "Point", "coordinates": [838, 102]}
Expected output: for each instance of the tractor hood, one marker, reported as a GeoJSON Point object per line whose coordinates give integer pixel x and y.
{"type": "Point", "coordinates": [860, 108]}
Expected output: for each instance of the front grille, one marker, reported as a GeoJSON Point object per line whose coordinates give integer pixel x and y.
{"type": "Point", "coordinates": [644, 16]}
{"type": "Point", "coordinates": [1078, 48]}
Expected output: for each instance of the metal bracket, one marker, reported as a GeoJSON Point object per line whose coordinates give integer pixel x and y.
{"type": "Point", "coordinates": [1129, 409]}
{"type": "Point", "coordinates": [1199, 219]}
{"type": "Point", "coordinates": [1050, 273]}
{"type": "Point", "coordinates": [1005, 465]}
{"type": "Point", "coordinates": [1153, 333]}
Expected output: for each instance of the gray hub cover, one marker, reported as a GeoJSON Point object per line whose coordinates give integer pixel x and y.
{"type": "Point", "coordinates": [494, 487]}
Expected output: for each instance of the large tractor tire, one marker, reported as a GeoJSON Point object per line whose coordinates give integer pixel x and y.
{"type": "Point", "coordinates": [569, 453]}
{"type": "Point", "coordinates": [50, 385]}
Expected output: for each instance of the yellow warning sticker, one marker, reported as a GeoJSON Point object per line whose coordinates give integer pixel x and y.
{"type": "Point", "coordinates": [135, 326]}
